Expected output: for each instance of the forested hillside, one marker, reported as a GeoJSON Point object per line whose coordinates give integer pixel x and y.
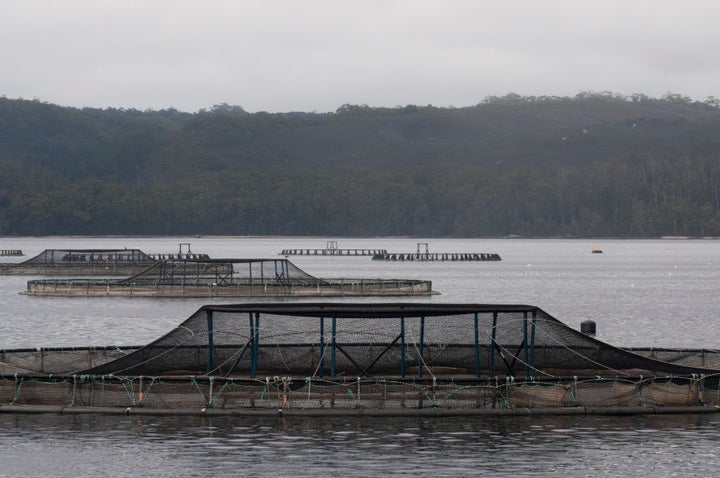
{"type": "Point", "coordinates": [597, 164]}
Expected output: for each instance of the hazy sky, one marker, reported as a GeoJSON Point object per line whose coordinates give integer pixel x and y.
{"type": "Point", "coordinates": [298, 55]}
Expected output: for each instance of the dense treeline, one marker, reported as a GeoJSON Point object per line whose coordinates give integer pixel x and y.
{"type": "Point", "coordinates": [597, 164]}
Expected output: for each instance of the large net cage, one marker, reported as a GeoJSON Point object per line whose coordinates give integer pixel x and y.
{"type": "Point", "coordinates": [223, 272]}
{"type": "Point", "coordinates": [226, 278]}
{"type": "Point", "coordinates": [335, 340]}
{"type": "Point", "coordinates": [350, 358]}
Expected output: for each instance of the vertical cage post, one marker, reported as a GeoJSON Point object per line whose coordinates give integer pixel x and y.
{"type": "Point", "coordinates": [492, 344]}
{"type": "Point", "coordinates": [184, 273]}
{"type": "Point", "coordinates": [210, 359]}
{"type": "Point", "coordinates": [477, 346]}
{"type": "Point", "coordinates": [402, 347]}
{"type": "Point", "coordinates": [322, 347]}
{"type": "Point", "coordinates": [332, 349]}
{"type": "Point", "coordinates": [252, 344]}
{"type": "Point", "coordinates": [525, 344]}
{"type": "Point", "coordinates": [422, 344]}
{"type": "Point", "coordinates": [256, 344]}
{"type": "Point", "coordinates": [532, 342]}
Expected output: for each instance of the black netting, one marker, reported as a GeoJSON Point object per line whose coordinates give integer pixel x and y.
{"type": "Point", "coordinates": [224, 272]}
{"type": "Point", "coordinates": [83, 261]}
{"type": "Point", "coordinates": [90, 256]}
{"type": "Point", "coordinates": [226, 278]}
{"type": "Point", "coordinates": [365, 340]}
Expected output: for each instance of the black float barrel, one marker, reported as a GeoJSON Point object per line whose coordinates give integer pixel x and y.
{"type": "Point", "coordinates": [587, 327]}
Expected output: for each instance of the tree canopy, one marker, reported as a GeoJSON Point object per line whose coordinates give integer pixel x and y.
{"type": "Point", "coordinates": [597, 164]}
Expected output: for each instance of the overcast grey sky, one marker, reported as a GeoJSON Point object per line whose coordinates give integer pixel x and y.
{"type": "Point", "coordinates": [302, 55]}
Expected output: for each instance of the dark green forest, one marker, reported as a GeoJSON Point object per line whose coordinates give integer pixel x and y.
{"type": "Point", "coordinates": [592, 165]}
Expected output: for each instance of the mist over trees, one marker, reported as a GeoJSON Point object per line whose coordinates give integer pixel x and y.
{"type": "Point", "coordinates": [593, 165]}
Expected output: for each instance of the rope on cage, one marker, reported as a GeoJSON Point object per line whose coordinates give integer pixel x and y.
{"type": "Point", "coordinates": [638, 391]}
{"type": "Point", "coordinates": [219, 393]}
{"type": "Point", "coordinates": [239, 353]}
{"type": "Point", "coordinates": [319, 364]}
{"type": "Point", "coordinates": [573, 391]}
{"type": "Point", "coordinates": [154, 357]}
{"type": "Point", "coordinates": [541, 331]}
{"type": "Point", "coordinates": [522, 362]}
{"type": "Point", "coordinates": [501, 348]}
{"type": "Point", "coordinates": [701, 389]}
{"type": "Point", "coordinates": [197, 387]}
{"type": "Point", "coordinates": [505, 391]}
{"type": "Point", "coordinates": [210, 397]}
{"type": "Point", "coordinates": [423, 363]}
{"type": "Point", "coordinates": [282, 357]}
{"type": "Point", "coordinates": [18, 385]}
{"type": "Point", "coordinates": [574, 352]}
{"type": "Point", "coordinates": [153, 381]}
{"type": "Point", "coordinates": [353, 397]}
{"type": "Point", "coordinates": [266, 388]}
{"type": "Point", "coordinates": [130, 394]}
{"type": "Point", "coordinates": [74, 389]}
{"type": "Point", "coordinates": [436, 402]}
{"type": "Point", "coordinates": [308, 384]}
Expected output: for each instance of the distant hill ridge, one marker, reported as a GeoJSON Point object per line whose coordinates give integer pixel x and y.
{"type": "Point", "coordinates": [417, 162]}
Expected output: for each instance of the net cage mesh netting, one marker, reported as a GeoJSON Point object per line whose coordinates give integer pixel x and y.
{"type": "Point", "coordinates": [380, 340]}
{"type": "Point", "coordinates": [83, 257]}
{"type": "Point", "coordinates": [226, 277]}
{"type": "Point", "coordinates": [224, 272]}
{"type": "Point", "coordinates": [368, 356]}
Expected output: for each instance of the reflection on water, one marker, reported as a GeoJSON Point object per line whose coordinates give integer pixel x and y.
{"type": "Point", "coordinates": [44, 445]}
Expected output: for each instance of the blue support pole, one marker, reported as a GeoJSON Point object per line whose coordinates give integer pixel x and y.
{"type": "Point", "coordinates": [332, 349]}
{"type": "Point", "coordinates": [532, 343]}
{"type": "Point", "coordinates": [252, 345]}
{"type": "Point", "coordinates": [257, 342]}
{"type": "Point", "coordinates": [477, 347]}
{"type": "Point", "coordinates": [525, 344]}
{"type": "Point", "coordinates": [422, 344]}
{"type": "Point", "coordinates": [492, 344]}
{"type": "Point", "coordinates": [210, 365]}
{"type": "Point", "coordinates": [322, 346]}
{"type": "Point", "coordinates": [402, 347]}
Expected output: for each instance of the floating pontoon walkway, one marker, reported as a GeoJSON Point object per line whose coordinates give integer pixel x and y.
{"type": "Point", "coordinates": [437, 256]}
{"type": "Point", "coordinates": [180, 257]}
{"type": "Point", "coordinates": [11, 252]}
{"type": "Point", "coordinates": [331, 249]}
{"type": "Point", "coordinates": [183, 254]}
{"type": "Point", "coordinates": [332, 252]}
{"type": "Point", "coordinates": [424, 255]}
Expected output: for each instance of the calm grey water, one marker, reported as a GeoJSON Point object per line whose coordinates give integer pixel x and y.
{"type": "Point", "coordinates": [660, 293]}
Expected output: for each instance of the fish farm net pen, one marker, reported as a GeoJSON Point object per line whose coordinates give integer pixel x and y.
{"type": "Point", "coordinates": [332, 357]}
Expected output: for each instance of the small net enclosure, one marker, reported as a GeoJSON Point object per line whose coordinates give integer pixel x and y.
{"type": "Point", "coordinates": [82, 262]}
